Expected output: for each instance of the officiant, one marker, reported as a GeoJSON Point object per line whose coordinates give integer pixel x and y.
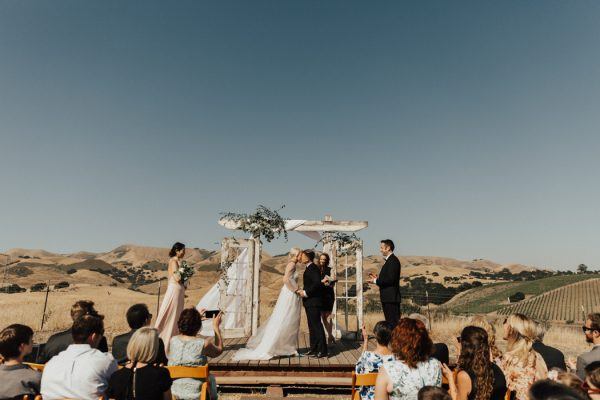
{"type": "Point", "coordinates": [328, 296]}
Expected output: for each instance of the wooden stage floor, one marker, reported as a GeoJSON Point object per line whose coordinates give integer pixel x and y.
{"type": "Point", "coordinates": [335, 370]}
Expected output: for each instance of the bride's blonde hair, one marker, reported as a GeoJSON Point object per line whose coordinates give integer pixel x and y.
{"type": "Point", "coordinates": [294, 251]}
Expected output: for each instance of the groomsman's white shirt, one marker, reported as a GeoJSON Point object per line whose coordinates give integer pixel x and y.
{"type": "Point", "coordinates": [79, 372]}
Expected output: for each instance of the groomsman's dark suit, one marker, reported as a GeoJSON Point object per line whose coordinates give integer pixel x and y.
{"type": "Point", "coordinates": [313, 304]}
{"type": "Point", "coordinates": [389, 289]}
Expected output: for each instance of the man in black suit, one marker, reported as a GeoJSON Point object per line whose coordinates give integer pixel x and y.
{"type": "Point", "coordinates": [60, 341]}
{"type": "Point", "coordinates": [312, 295]}
{"type": "Point", "coordinates": [389, 282]}
{"type": "Point", "coordinates": [138, 316]}
{"type": "Point", "coordinates": [553, 357]}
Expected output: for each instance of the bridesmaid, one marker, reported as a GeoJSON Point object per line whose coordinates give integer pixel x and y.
{"type": "Point", "coordinates": [328, 297]}
{"type": "Point", "coordinates": [172, 304]}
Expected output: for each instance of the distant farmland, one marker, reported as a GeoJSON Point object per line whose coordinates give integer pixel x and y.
{"type": "Point", "coordinates": [491, 298]}
{"type": "Point", "coordinates": [562, 304]}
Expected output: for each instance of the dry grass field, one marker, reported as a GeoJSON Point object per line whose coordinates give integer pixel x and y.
{"type": "Point", "coordinates": [27, 308]}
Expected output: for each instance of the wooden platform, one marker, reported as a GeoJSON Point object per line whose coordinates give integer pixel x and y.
{"type": "Point", "coordinates": [335, 370]}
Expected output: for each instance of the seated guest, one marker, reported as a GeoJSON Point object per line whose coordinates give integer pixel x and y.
{"type": "Point", "coordinates": [140, 379]}
{"type": "Point", "coordinates": [547, 389]}
{"type": "Point", "coordinates": [370, 361]}
{"type": "Point", "coordinates": [591, 330]}
{"type": "Point", "coordinates": [60, 341]}
{"type": "Point", "coordinates": [568, 379]}
{"type": "Point", "coordinates": [522, 365]}
{"type": "Point", "coordinates": [188, 350]}
{"type": "Point", "coordinates": [482, 322]}
{"type": "Point", "coordinates": [433, 393]}
{"type": "Point", "coordinates": [478, 378]}
{"type": "Point", "coordinates": [17, 378]}
{"type": "Point", "coordinates": [553, 357]}
{"type": "Point", "coordinates": [81, 371]}
{"type": "Point", "coordinates": [412, 367]}
{"type": "Point", "coordinates": [138, 316]}
{"type": "Point", "coordinates": [440, 350]}
{"type": "Point", "coordinates": [592, 380]}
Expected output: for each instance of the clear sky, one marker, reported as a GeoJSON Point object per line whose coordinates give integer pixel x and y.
{"type": "Point", "coordinates": [465, 129]}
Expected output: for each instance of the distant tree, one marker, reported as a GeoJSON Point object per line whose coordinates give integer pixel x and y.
{"type": "Point", "coordinates": [518, 296]}
{"type": "Point", "coordinates": [12, 288]}
{"type": "Point", "coordinates": [38, 287]}
{"type": "Point", "coordinates": [582, 269]}
{"type": "Point", "coordinates": [61, 285]}
{"type": "Point", "coordinates": [71, 271]}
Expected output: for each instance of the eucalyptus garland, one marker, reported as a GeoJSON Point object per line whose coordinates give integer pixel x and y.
{"type": "Point", "coordinates": [263, 223]}
{"type": "Point", "coordinates": [346, 243]}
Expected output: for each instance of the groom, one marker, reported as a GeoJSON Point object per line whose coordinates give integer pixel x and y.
{"type": "Point", "coordinates": [311, 298]}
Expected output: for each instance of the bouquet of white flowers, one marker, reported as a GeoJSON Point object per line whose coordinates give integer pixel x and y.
{"type": "Point", "coordinates": [184, 272]}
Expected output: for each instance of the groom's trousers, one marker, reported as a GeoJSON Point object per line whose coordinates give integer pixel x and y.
{"type": "Point", "coordinates": [316, 331]}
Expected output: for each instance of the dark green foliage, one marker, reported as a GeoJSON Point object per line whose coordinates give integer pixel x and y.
{"type": "Point", "coordinates": [39, 287]}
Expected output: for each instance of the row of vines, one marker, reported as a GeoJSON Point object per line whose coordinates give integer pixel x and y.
{"type": "Point", "coordinates": [568, 304]}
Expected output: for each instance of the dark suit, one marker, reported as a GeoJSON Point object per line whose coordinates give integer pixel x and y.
{"type": "Point", "coordinates": [59, 342]}
{"type": "Point", "coordinates": [553, 358]}
{"type": "Point", "coordinates": [313, 304]}
{"type": "Point", "coordinates": [389, 289]}
{"type": "Point", "coordinates": [119, 349]}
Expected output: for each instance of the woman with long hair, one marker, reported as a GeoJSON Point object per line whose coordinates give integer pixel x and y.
{"type": "Point", "coordinates": [412, 367]}
{"type": "Point", "coordinates": [521, 364]}
{"type": "Point", "coordinates": [172, 304]}
{"type": "Point", "coordinates": [328, 296]}
{"type": "Point", "coordinates": [478, 377]}
{"type": "Point", "coordinates": [482, 322]}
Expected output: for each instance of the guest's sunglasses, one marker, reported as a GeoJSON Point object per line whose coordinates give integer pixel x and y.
{"type": "Point", "coordinates": [585, 386]}
{"type": "Point", "coordinates": [585, 328]}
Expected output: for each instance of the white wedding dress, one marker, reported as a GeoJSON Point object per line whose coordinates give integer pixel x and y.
{"type": "Point", "coordinates": [278, 336]}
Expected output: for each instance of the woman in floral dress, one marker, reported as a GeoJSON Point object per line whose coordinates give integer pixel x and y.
{"type": "Point", "coordinates": [371, 361]}
{"type": "Point", "coordinates": [522, 365]}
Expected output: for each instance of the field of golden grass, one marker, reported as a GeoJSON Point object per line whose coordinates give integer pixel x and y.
{"type": "Point", "coordinates": [26, 308]}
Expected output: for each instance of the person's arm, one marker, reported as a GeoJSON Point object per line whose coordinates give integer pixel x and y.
{"type": "Point", "coordinates": [449, 374]}
{"type": "Point", "coordinates": [172, 269]}
{"type": "Point", "coordinates": [463, 385]}
{"type": "Point", "coordinates": [167, 395]}
{"type": "Point", "coordinates": [365, 336]}
{"type": "Point", "coordinates": [287, 277]}
{"type": "Point", "coordinates": [214, 346]}
{"type": "Point", "coordinates": [382, 385]}
{"type": "Point", "coordinates": [580, 367]}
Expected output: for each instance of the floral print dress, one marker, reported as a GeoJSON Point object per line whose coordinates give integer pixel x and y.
{"type": "Point", "coordinates": [367, 363]}
{"type": "Point", "coordinates": [520, 377]}
{"type": "Point", "coordinates": [407, 381]}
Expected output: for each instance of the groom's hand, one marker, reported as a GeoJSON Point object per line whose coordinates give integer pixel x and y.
{"type": "Point", "coordinates": [301, 293]}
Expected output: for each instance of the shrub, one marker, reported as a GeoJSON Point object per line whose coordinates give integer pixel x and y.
{"type": "Point", "coordinates": [12, 288]}
{"type": "Point", "coordinates": [39, 287]}
{"type": "Point", "coordinates": [61, 285]}
{"type": "Point", "coordinates": [516, 297]}
{"type": "Point", "coordinates": [71, 271]}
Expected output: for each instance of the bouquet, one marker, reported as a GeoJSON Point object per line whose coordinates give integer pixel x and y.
{"type": "Point", "coordinates": [184, 272]}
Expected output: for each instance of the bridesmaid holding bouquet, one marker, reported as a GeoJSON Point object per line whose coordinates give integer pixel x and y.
{"type": "Point", "coordinates": [172, 304]}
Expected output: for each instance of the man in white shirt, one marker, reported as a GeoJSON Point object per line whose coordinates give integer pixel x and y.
{"type": "Point", "coordinates": [81, 371]}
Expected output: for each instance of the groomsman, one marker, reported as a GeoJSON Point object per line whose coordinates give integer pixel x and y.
{"type": "Point", "coordinates": [389, 282]}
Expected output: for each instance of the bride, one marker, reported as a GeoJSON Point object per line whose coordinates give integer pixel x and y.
{"type": "Point", "coordinates": [279, 335]}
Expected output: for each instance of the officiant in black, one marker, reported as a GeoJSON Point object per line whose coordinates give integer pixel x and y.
{"type": "Point", "coordinates": [328, 296]}
{"type": "Point", "coordinates": [389, 283]}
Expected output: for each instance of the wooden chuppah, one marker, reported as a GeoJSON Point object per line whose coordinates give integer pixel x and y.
{"type": "Point", "coordinates": [250, 298]}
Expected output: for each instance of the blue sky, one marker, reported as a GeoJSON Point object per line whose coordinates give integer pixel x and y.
{"type": "Point", "coordinates": [466, 129]}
